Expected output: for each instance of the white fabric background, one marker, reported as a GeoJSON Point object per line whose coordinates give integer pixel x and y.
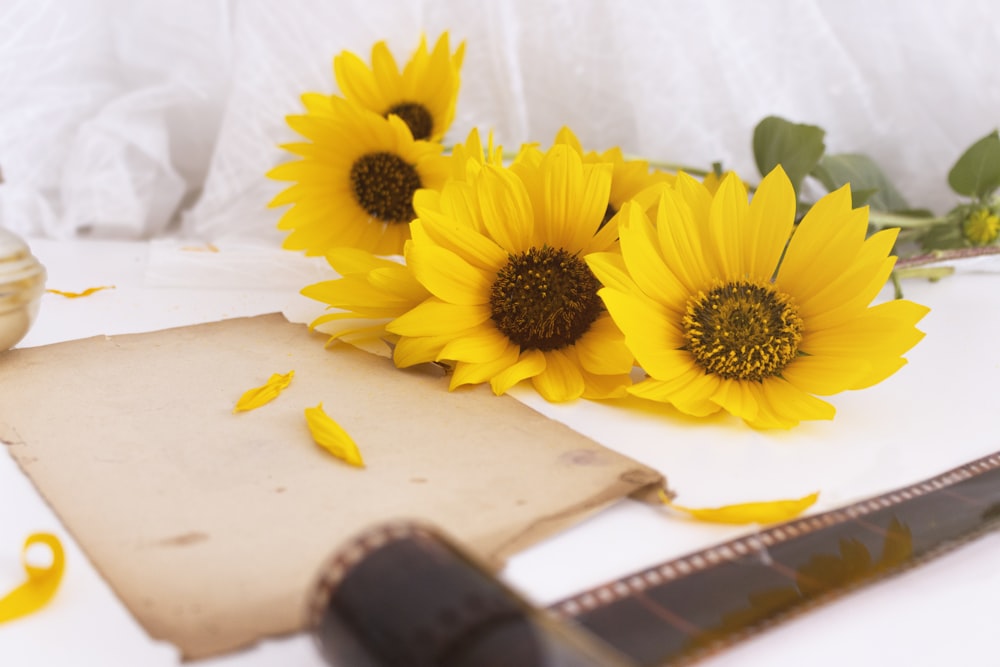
{"type": "Point", "coordinates": [134, 118]}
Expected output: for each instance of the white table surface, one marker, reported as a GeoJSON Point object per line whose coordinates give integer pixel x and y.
{"type": "Point", "coordinates": [938, 412]}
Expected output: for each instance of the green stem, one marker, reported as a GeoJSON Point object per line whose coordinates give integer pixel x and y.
{"type": "Point", "coordinates": [672, 166]}
{"type": "Point", "coordinates": [884, 219]}
{"type": "Point", "coordinates": [932, 273]}
{"type": "Point", "coordinates": [896, 285]}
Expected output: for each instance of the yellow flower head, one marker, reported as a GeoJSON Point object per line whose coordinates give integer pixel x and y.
{"type": "Point", "coordinates": [355, 182]}
{"type": "Point", "coordinates": [981, 227]}
{"type": "Point", "coordinates": [630, 179]}
{"type": "Point", "coordinates": [424, 94]}
{"type": "Point", "coordinates": [371, 291]}
{"type": "Point", "coordinates": [712, 181]}
{"type": "Point", "coordinates": [722, 315]}
{"type": "Point", "coordinates": [511, 296]}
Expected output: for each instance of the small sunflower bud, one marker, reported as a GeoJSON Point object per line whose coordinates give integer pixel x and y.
{"type": "Point", "coordinates": [981, 227]}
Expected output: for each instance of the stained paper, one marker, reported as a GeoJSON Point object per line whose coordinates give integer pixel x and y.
{"type": "Point", "coordinates": [211, 526]}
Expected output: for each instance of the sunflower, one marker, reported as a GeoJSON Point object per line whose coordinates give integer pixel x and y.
{"type": "Point", "coordinates": [981, 227]}
{"type": "Point", "coordinates": [511, 296]}
{"type": "Point", "coordinates": [424, 94]}
{"type": "Point", "coordinates": [724, 311]}
{"type": "Point", "coordinates": [630, 179]}
{"type": "Point", "coordinates": [713, 180]}
{"type": "Point", "coordinates": [371, 291]}
{"type": "Point", "coordinates": [356, 179]}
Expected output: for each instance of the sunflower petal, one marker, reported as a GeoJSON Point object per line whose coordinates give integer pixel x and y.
{"type": "Point", "coordinates": [602, 350]}
{"type": "Point", "coordinates": [356, 81]}
{"type": "Point", "coordinates": [477, 373]}
{"type": "Point", "coordinates": [689, 392]}
{"type": "Point", "coordinates": [434, 317]}
{"type": "Point", "coordinates": [783, 405]}
{"type": "Point", "coordinates": [331, 436]}
{"type": "Point", "coordinates": [737, 398]}
{"type": "Point", "coordinates": [770, 220]}
{"type": "Point", "coordinates": [264, 394]}
{"type": "Point", "coordinates": [680, 240]}
{"type": "Point", "coordinates": [479, 345]}
{"type": "Point", "coordinates": [560, 380]}
{"type": "Point", "coordinates": [825, 376]}
{"type": "Point", "coordinates": [771, 511]}
{"type": "Point", "coordinates": [649, 333]}
{"type": "Point", "coordinates": [609, 268]}
{"type": "Point", "coordinates": [856, 287]}
{"type": "Point", "coordinates": [419, 350]}
{"type": "Point", "coordinates": [506, 208]}
{"type": "Point", "coordinates": [347, 260]}
{"type": "Point", "coordinates": [640, 250]}
{"type": "Point", "coordinates": [77, 295]}
{"type": "Point", "coordinates": [466, 241]}
{"type": "Point", "coordinates": [825, 243]}
{"type": "Point", "coordinates": [529, 364]}
{"type": "Point", "coordinates": [448, 276]}
{"type": "Point", "coordinates": [727, 220]}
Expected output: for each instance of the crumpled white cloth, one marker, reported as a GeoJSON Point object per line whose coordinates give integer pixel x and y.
{"type": "Point", "coordinates": [136, 119]}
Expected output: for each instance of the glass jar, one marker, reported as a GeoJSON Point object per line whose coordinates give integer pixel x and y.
{"type": "Point", "coordinates": [22, 283]}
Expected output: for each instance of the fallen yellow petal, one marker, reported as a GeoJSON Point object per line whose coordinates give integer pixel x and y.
{"type": "Point", "coordinates": [258, 396]}
{"type": "Point", "coordinates": [760, 512]}
{"type": "Point", "coordinates": [41, 584]}
{"type": "Point", "coordinates": [208, 247]}
{"type": "Point", "coordinates": [329, 435]}
{"type": "Point", "coordinates": [77, 295]}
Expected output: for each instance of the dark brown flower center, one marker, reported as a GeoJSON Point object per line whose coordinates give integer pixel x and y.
{"type": "Point", "coordinates": [742, 330]}
{"type": "Point", "coordinates": [544, 299]}
{"type": "Point", "coordinates": [416, 116]}
{"type": "Point", "coordinates": [383, 185]}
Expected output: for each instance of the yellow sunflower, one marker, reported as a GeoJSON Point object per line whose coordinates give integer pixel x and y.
{"type": "Point", "coordinates": [356, 179]}
{"type": "Point", "coordinates": [511, 296]}
{"type": "Point", "coordinates": [371, 291]}
{"type": "Point", "coordinates": [722, 315]}
{"type": "Point", "coordinates": [712, 180]}
{"type": "Point", "coordinates": [424, 94]}
{"type": "Point", "coordinates": [630, 179]}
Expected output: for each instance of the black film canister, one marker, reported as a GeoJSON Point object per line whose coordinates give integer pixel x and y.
{"type": "Point", "coordinates": [402, 595]}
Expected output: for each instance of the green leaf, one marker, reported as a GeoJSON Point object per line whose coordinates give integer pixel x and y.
{"type": "Point", "coordinates": [860, 197]}
{"type": "Point", "coordinates": [865, 177]}
{"type": "Point", "coordinates": [977, 172]}
{"type": "Point", "coordinates": [943, 237]}
{"type": "Point", "coordinates": [796, 147]}
{"type": "Point", "coordinates": [915, 212]}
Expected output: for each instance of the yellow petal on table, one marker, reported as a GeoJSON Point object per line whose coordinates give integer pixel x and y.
{"type": "Point", "coordinates": [760, 512]}
{"type": "Point", "coordinates": [41, 584]}
{"type": "Point", "coordinates": [258, 396]}
{"type": "Point", "coordinates": [208, 247]}
{"type": "Point", "coordinates": [77, 295]}
{"type": "Point", "coordinates": [332, 437]}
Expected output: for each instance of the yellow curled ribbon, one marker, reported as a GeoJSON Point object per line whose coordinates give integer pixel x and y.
{"type": "Point", "coordinates": [41, 584]}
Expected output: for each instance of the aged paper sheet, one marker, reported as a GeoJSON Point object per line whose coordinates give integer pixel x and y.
{"type": "Point", "coordinates": [211, 526]}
